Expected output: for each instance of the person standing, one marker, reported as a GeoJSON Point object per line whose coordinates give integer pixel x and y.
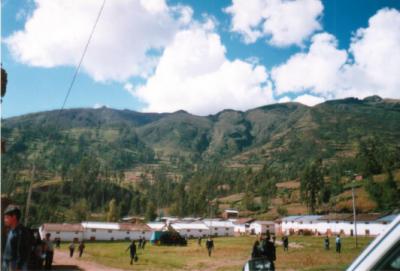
{"type": "Point", "coordinates": [199, 241]}
{"type": "Point", "coordinates": [326, 242]}
{"type": "Point", "coordinates": [209, 246]}
{"type": "Point", "coordinates": [49, 252]}
{"type": "Point", "coordinates": [132, 250]}
{"type": "Point", "coordinates": [269, 251]}
{"type": "Point", "coordinates": [140, 242]}
{"type": "Point", "coordinates": [18, 242]}
{"type": "Point", "coordinates": [144, 243]}
{"type": "Point", "coordinates": [338, 244]}
{"type": "Point", "coordinates": [58, 243]}
{"type": "Point", "coordinates": [81, 248]}
{"type": "Point", "coordinates": [285, 242]}
{"type": "Point", "coordinates": [256, 252]}
{"type": "Point", "coordinates": [71, 249]}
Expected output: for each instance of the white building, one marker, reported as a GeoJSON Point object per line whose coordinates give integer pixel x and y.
{"type": "Point", "coordinates": [219, 227]}
{"type": "Point", "coordinates": [63, 232]}
{"type": "Point", "coordinates": [242, 226]}
{"type": "Point", "coordinates": [261, 227]}
{"type": "Point", "coordinates": [190, 229]}
{"type": "Point", "coordinates": [103, 231]}
{"type": "Point", "coordinates": [367, 224]}
{"type": "Point", "coordinates": [157, 226]}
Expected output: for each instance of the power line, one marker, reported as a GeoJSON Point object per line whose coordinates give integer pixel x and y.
{"type": "Point", "coordinates": [28, 202]}
{"type": "Point", "coordinates": [80, 61]}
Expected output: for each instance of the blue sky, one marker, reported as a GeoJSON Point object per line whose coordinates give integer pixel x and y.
{"type": "Point", "coordinates": [200, 56]}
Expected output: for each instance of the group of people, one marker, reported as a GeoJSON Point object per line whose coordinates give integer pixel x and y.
{"type": "Point", "coordinates": [81, 248]}
{"type": "Point", "coordinates": [338, 243]}
{"type": "Point", "coordinates": [265, 248]}
{"type": "Point", "coordinates": [22, 249]}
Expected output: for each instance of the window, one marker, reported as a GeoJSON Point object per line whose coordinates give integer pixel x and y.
{"type": "Point", "coordinates": [188, 230]}
{"type": "Point", "coordinates": [76, 232]}
{"type": "Point", "coordinates": [200, 230]}
{"type": "Point", "coordinates": [227, 229]}
{"type": "Point", "coordinates": [93, 230]}
{"type": "Point", "coordinates": [127, 232]}
{"type": "Point", "coordinates": [110, 231]}
{"type": "Point", "coordinates": [57, 232]}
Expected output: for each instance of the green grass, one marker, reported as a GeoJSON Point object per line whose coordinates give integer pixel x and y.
{"type": "Point", "coordinates": [230, 254]}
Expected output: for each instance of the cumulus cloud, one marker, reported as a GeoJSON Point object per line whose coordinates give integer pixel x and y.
{"type": "Point", "coordinates": [194, 74]}
{"type": "Point", "coordinates": [127, 32]}
{"type": "Point", "coordinates": [282, 22]}
{"type": "Point", "coordinates": [369, 67]}
{"type": "Point", "coordinates": [374, 67]}
{"type": "Point", "coordinates": [315, 70]}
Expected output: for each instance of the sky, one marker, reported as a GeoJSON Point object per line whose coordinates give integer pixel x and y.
{"type": "Point", "coordinates": [199, 56]}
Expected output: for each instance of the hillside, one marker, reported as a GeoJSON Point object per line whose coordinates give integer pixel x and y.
{"type": "Point", "coordinates": [208, 157]}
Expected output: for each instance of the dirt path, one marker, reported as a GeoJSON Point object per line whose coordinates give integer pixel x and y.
{"type": "Point", "coordinates": [62, 258]}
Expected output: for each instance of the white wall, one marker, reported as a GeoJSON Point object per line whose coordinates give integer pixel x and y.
{"type": "Point", "coordinates": [64, 236]}
{"type": "Point", "coordinates": [339, 227]}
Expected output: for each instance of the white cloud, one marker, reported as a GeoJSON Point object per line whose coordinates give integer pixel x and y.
{"type": "Point", "coordinates": [129, 87]}
{"type": "Point", "coordinates": [309, 100]}
{"type": "Point", "coordinates": [369, 67]}
{"type": "Point", "coordinates": [315, 70]}
{"type": "Point", "coordinates": [194, 74]}
{"type": "Point", "coordinates": [57, 31]}
{"type": "Point", "coordinates": [282, 22]}
{"type": "Point", "coordinates": [376, 58]}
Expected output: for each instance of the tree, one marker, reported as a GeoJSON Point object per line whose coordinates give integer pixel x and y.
{"type": "Point", "coordinates": [151, 212]}
{"type": "Point", "coordinates": [78, 212]}
{"type": "Point", "coordinates": [112, 215]}
{"type": "Point", "coordinates": [391, 193]}
{"type": "Point", "coordinates": [312, 182]}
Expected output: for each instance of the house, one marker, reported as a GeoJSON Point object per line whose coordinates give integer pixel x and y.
{"type": "Point", "coordinates": [242, 226]}
{"type": "Point", "coordinates": [219, 227]}
{"type": "Point", "coordinates": [261, 227]}
{"type": "Point", "coordinates": [157, 226]}
{"type": "Point", "coordinates": [63, 232]}
{"type": "Point", "coordinates": [190, 229]}
{"type": "Point", "coordinates": [103, 231]}
{"type": "Point", "coordinates": [367, 224]}
{"type": "Point", "coordinates": [230, 214]}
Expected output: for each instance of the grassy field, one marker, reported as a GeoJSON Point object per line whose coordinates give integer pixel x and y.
{"type": "Point", "coordinates": [230, 254]}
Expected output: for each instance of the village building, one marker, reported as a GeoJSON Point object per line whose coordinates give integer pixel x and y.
{"type": "Point", "coordinates": [219, 227]}
{"type": "Point", "coordinates": [63, 232]}
{"type": "Point", "coordinates": [157, 226]}
{"type": "Point", "coordinates": [259, 227]}
{"type": "Point", "coordinates": [104, 231]}
{"type": "Point", "coordinates": [230, 214]}
{"type": "Point", "coordinates": [190, 229]}
{"type": "Point", "coordinates": [242, 226]}
{"type": "Point", "coordinates": [332, 224]}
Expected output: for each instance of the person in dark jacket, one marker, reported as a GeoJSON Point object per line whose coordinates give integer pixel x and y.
{"type": "Point", "coordinates": [285, 242]}
{"type": "Point", "coordinates": [338, 242]}
{"type": "Point", "coordinates": [209, 246]}
{"type": "Point", "coordinates": [49, 251]}
{"type": "Point", "coordinates": [326, 242]}
{"type": "Point", "coordinates": [81, 247]}
{"type": "Point", "coordinates": [18, 244]}
{"type": "Point", "coordinates": [71, 249]}
{"type": "Point", "coordinates": [256, 252]}
{"type": "Point", "coordinates": [132, 250]}
{"type": "Point", "coordinates": [269, 250]}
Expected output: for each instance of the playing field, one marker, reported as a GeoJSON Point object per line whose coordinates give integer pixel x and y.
{"type": "Point", "coordinates": [305, 253]}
